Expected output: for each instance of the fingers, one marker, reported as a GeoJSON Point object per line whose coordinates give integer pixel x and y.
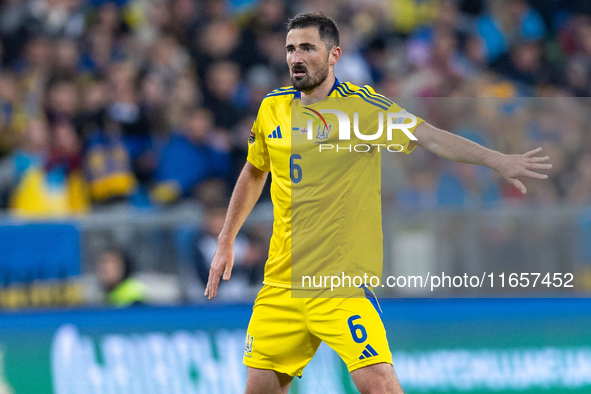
{"type": "Point", "coordinates": [531, 163]}
{"type": "Point", "coordinates": [534, 175]}
{"type": "Point", "coordinates": [227, 272]}
{"type": "Point", "coordinates": [212, 286]}
{"type": "Point", "coordinates": [212, 282]}
{"type": "Point", "coordinates": [532, 152]}
{"type": "Point", "coordinates": [215, 272]}
{"type": "Point", "coordinates": [539, 159]}
{"type": "Point", "coordinates": [206, 293]}
{"type": "Point", "coordinates": [536, 166]}
{"type": "Point", "coordinates": [208, 282]}
{"type": "Point", "coordinates": [520, 186]}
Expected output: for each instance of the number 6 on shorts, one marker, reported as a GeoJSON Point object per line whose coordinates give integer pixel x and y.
{"type": "Point", "coordinates": [357, 328]}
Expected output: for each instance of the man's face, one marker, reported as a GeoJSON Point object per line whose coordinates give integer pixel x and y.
{"type": "Point", "coordinates": [110, 270]}
{"type": "Point", "coordinates": [307, 58]}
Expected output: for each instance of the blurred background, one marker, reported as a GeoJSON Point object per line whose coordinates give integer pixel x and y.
{"type": "Point", "coordinates": [127, 121]}
{"type": "Point", "coordinates": [123, 127]}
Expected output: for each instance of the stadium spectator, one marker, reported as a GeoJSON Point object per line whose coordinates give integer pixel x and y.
{"type": "Point", "coordinates": [509, 21]}
{"type": "Point", "coordinates": [249, 251]}
{"type": "Point", "coordinates": [185, 96]}
{"type": "Point", "coordinates": [114, 271]}
{"type": "Point", "coordinates": [108, 166]}
{"type": "Point", "coordinates": [408, 15]}
{"type": "Point", "coordinates": [352, 67]}
{"type": "Point", "coordinates": [526, 66]}
{"type": "Point", "coordinates": [460, 187]}
{"type": "Point", "coordinates": [189, 159]}
{"type": "Point", "coordinates": [48, 173]}
{"type": "Point", "coordinates": [34, 149]}
{"type": "Point", "coordinates": [66, 60]}
{"type": "Point", "coordinates": [11, 114]}
{"type": "Point", "coordinates": [222, 95]}
{"type": "Point", "coordinates": [218, 41]}
{"type": "Point", "coordinates": [419, 192]}
{"type": "Point", "coordinates": [62, 101]}
{"type": "Point", "coordinates": [124, 112]}
{"type": "Point", "coordinates": [97, 53]}
{"type": "Point", "coordinates": [64, 167]}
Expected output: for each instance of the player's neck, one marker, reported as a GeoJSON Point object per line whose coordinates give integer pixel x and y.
{"type": "Point", "coordinates": [320, 92]}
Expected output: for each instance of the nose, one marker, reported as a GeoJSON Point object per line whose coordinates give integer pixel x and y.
{"type": "Point", "coordinates": [296, 57]}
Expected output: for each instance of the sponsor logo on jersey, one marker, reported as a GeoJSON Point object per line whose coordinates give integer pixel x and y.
{"type": "Point", "coordinates": [276, 133]}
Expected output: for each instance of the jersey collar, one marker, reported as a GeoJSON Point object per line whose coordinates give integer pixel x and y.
{"type": "Point", "coordinates": [298, 94]}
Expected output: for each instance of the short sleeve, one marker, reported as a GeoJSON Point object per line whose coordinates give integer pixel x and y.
{"type": "Point", "coordinates": [399, 137]}
{"type": "Point", "coordinates": [258, 154]}
{"type": "Point", "coordinates": [380, 108]}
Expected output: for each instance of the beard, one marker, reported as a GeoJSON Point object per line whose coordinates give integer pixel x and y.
{"type": "Point", "coordinates": [309, 82]}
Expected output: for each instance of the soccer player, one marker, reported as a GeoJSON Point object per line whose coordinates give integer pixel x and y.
{"type": "Point", "coordinates": [285, 331]}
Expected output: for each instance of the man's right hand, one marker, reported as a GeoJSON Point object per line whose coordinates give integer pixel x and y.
{"type": "Point", "coordinates": [246, 193]}
{"type": "Point", "coordinates": [223, 261]}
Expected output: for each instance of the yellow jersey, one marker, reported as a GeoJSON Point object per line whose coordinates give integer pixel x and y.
{"type": "Point", "coordinates": [326, 191]}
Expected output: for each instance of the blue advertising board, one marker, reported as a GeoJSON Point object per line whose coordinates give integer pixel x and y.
{"type": "Point", "coordinates": [439, 346]}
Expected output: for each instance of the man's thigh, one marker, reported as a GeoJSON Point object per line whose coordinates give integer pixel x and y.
{"type": "Point", "coordinates": [376, 379]}
{"type": "Point", "coordinates": [353, 328]}
{"type": "Point", "coordinates": [278, 338]}
{"type": "Point", "coordinates": [265, 381]}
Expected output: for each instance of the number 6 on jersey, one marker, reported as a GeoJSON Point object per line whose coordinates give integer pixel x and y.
{"type": "Point", "coordinates": [295, 171]}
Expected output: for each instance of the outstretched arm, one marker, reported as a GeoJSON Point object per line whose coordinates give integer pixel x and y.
{"type": "Point", "coordinates": [246, 193]}
{"type": "Point", "coordinates": [456, 148]}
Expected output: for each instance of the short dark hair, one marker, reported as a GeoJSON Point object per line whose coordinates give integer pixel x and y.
{"type": "Point", "coordinates": [327, 27]}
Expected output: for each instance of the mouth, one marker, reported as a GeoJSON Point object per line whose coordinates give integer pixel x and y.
{"type": "Point", "coordinates": [298, 72]}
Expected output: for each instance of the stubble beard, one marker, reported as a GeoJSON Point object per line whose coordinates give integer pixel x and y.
{"type": "Point", "coordinates": [308, 82]}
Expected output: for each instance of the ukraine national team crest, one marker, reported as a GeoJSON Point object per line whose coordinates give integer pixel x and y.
{"type": "Point", "coordinates": [322, 132]}
{"type": "Point", "coordinates": [248, 346]}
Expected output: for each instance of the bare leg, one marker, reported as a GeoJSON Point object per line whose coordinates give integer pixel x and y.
{"type": "Point", "coordinates": [266, 381]}
{"type": "Point", "coordinates": [376, 379]}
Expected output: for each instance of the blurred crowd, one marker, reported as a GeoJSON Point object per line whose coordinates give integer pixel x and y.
{"type": "Point", "coordinates": [149, 102]}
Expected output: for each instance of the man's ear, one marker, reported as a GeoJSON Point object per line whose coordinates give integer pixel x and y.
{"type": "Point", "coordinates": [334, 56]}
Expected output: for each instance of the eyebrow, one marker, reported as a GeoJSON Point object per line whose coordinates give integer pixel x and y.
{"type": "Point", "coordinates": [303, 44]}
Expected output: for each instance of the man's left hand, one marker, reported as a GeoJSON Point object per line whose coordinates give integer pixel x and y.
{"type": "Point", "coordinates": [513, 166]}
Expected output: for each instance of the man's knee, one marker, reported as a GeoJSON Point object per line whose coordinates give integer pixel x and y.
{"type": "Point", "coordinates": [376, 379]}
